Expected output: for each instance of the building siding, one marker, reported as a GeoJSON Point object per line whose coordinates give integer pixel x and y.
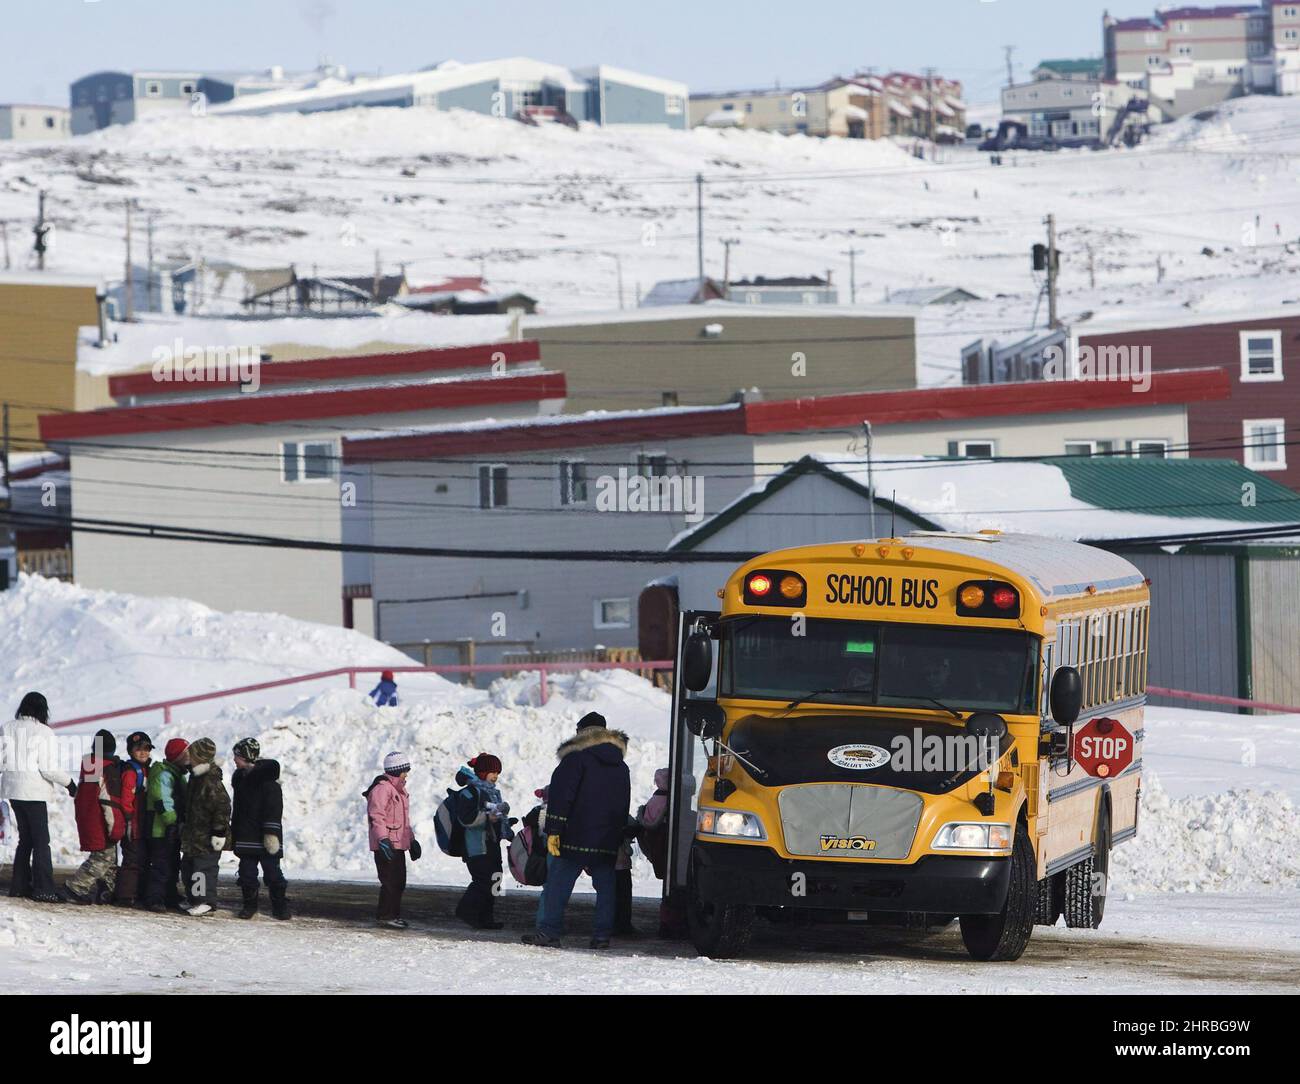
{"type": "Point", "coordinates": [1275, 629]}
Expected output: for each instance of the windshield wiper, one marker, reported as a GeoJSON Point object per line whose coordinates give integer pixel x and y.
{"type": "Point", "coordinates": [914, 696]}
{"type": "Point", "coordinates": [823, 692]}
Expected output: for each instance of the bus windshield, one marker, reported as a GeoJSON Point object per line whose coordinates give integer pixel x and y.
{"type": "Point", "coordinates": [873, 663]}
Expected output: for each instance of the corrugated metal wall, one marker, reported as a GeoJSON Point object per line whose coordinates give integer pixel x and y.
{"type": "Point", "coordinates": [1193, 623]}
{"type": "Point", "coordinates": [1275, 632]}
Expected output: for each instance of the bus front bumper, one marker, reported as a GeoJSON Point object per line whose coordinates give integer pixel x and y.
{"type": "Point", "coordinates": [936, 884]}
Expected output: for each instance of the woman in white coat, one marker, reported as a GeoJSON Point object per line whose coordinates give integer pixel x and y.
{"type": "Point", "coordinates": [30, 775]}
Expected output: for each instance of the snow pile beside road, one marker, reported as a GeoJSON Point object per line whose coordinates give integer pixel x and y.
{"type": "Point", "coordinates": [93, 651]}
{"type": "Point", "coordinates": [1235, 840]}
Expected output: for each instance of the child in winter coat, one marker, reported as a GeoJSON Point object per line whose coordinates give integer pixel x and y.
{"type": "Point", "coordinates": [256, 828]}
{"type": "Point", "coordinates": [385, 693]}
{"type": "Point", "coordinates": [485, 819]}
{"type": "Point", "coordinates": [101, 822]}
{"type": "Point", "coordinates": [165, 809]}
{"type": "Point", "coordinates": [388, 809]}
{"type": "Point", "coordinates": [31, 775]}
{"type": "Point", "coordinates": [206, 828]}
{"type": "Point", "coordinates": [135, 859]}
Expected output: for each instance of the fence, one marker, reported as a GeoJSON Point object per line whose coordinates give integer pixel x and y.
{"type": "Point", "coordinates": [543, 669]}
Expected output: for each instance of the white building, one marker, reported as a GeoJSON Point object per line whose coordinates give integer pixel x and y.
{"type": "Point", "coordinates": [30, 123]}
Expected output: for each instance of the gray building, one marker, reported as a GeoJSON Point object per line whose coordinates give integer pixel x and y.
{"type": "Point", "coordinates": [516, 87]}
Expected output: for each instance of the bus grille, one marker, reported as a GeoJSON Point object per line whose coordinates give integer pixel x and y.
{"type": "Point", "coordinates": [815, 817]}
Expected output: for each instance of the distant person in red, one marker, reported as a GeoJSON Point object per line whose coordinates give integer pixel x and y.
{"type": "Point", "coordinates": [385, 693]}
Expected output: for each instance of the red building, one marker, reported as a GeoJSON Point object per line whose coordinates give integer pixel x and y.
{"type": "Point", "coordinates": [1261, 355]}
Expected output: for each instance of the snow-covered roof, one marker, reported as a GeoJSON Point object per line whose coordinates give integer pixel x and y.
{"type": "Point", "coordinates": [899, 108]}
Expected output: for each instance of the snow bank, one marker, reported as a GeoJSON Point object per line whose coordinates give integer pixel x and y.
{"type": "Point", "coordinates": [1234, 841]}
{"type": "Point", "coordinates": [93, 651]}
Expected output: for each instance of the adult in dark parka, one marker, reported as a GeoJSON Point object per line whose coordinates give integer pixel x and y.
{"type": "Point", "coordinates": [586, 818]}
{"type": "Point", "coordinates": [255, 825]}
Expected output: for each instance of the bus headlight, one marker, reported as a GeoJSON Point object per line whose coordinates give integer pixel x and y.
{"type": "Point", "coordinates": [971, 836]}
{"type": "Point", "coordinates": [729, 822]}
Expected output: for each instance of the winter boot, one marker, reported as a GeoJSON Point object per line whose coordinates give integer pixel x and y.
{"type": "Point", "coordinates": [280, 903]}
{"type": "Point", "coordinates": [250, 903]}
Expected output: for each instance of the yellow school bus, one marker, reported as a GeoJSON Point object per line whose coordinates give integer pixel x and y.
{"type": "Point", "coordinates": [890, 737]}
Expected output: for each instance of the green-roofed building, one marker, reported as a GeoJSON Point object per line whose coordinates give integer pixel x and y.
{"type": "Point", "coordinates": [1081, 70]}
{"type": "Point", "coordinates": [1220, 544]}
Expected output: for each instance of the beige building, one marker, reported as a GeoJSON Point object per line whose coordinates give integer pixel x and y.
{"type": "Point", "coordinates": [40, 314]}
{"type": "Point", "coordinates": [863, 106]}
{"type": "Point", "coordinates": [698, 355]}
{"type": "Point", "coordinates": [33, 123]}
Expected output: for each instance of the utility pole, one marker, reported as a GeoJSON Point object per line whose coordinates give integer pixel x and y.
{"type": "Point", "coordinates": [40, 230]}
{"type": "Point", "coordinates": [1092, 268]}
{"type": "Point", "coordinates": [699, 225]}
{"type": "Point", "coordinates": [929, 98]}
{"type": "Point", "coordinates": [1053, 267]}
{"type": "Point", "coordinates": [148, 282]}
{"type": "Point", "coordinates": [1011, 77]}
{"type": "Point", "coordinates": [727, 242]}
{"type": "Point", "coordinates": [130, 292]}
{"type": "Point", "coordinates": [852, 254]}
{"type": "Point", "coordinates": [374, 290]}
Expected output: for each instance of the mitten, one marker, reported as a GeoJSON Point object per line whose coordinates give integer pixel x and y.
{"type": "Point", "coordinates": [271, 844]}
{"type": "Point", "coordinates": [553, 845]}
{"type": "Point", "coordinates": [415, 850]}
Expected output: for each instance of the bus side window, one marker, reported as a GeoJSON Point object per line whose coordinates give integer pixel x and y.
{"type": "Point", "coordinates": [1047, 670]}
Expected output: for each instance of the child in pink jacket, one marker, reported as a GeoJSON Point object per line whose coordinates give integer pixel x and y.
{"type": "Point", "coordinates": [388, 809]}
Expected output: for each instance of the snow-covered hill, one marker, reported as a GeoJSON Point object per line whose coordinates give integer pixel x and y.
{"type": "Point", "coordinates": [541, 209]}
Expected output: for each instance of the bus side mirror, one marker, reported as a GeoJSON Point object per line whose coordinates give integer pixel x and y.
{"type": "Point", "coordinates": [986, 724]}
{"type": "Point", "coordinates": [704, 718]}
{"type": "Point", "coordinates": [1066, 696]}
{"type": "Point", "coordinates": [697, 661]}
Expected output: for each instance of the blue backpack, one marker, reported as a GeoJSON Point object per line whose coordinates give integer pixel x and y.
{"type": "Point", "coordinates": [447, 829]}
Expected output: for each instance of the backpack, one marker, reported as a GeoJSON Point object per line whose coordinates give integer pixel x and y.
{"type": "Point", "coordinates": [528, 852]}
{"type": "Point", "coordinates": [447, 829]}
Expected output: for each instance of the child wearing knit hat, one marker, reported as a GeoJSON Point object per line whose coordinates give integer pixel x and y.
{"type": "Point", "coordinates": [484, 816]}
{"type": "Point", "coordinates": [388, 810]}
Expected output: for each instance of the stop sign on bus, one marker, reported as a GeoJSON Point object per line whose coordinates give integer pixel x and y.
{"type": "Point", "coordinates": [1103, 747]}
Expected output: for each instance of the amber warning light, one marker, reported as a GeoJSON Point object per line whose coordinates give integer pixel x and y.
{"type": "Point", "coordinates": [988, 598]}
{"type": "Point", "coordinates": [775, 588]}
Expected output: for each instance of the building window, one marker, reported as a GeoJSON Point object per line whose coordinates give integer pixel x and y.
{"type": "Point", "coordinates": [187, 89]}
{"type": "Point", "coordinates": [1264, 443]}
{"type": "Point", "coordinates": [1089, 447]}
{"type": "Point", "coordinates": [492, 485]}
{"type": "Point", "coordinates": [49, 122]}
{"type": "Point", "coordinates": [672, 104]}
{"type": "Point", "coordinates": [1150, 449]}
{"type": "Point", "coordinates": [573, 481]}
{"type": "Point", "coordinates": [974, 449]}
{"type": "Point", "coordinates": [1261, 355]}
{"type": "Point", "coordinates": [153, 89]}
{"type": "Point", "coordinates": [652, 464]}
{"type": "Point", "coordinates": [613, 613]}
{"type": "Point", "coordinates": [308, 461]}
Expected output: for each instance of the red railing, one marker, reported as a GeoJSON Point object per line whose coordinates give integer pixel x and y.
{"type": "Point", "coordinates": [1215, 698]}
{"type": "Point", "coordinates": [542, 668]}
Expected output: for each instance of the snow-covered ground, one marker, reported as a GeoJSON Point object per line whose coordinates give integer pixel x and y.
{"type": "Point", "coordinates": [544, 209]}
{"type": "Point", "coordinates": [1207, 896]}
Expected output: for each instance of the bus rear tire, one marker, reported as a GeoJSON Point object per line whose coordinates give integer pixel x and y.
{"type": "Point", "coordinates": [1086, 882]}
{"type": "Point", "coordinates": [721, 931]}
{"type": "Point", "coordinates": [1004, 936]}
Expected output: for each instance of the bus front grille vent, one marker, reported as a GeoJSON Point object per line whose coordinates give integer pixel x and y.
{"type": "Point", "coordinates": [849, 821]}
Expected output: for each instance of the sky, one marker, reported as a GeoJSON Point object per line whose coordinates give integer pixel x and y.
{"type": "Point", "coordinates": [708, 45]}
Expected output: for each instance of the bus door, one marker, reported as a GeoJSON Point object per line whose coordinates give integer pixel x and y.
{"type": "Point", "coordinates": [688, 708]}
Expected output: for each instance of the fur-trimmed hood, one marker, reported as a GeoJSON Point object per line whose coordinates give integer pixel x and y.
{"type": "Point", "coordinates": [592, 736]}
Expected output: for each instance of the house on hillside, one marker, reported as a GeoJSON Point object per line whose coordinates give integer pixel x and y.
{"type": "Point", "coordinates": [29, 123]}
{"type": "Point", "coordinates": [466, 295]}
{"type": "Point", "coordinates": [1223, 618]}
{"type": "Point", "coordinates": [328, 296]}
{"type": "Point", "coordinates": [791, 290]}
{"type": "Point", "coordinates": [683, 292]}
{"type": "Point", "coordinates": [931, 295]}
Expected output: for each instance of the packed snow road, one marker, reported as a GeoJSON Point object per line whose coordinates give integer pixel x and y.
{"type": "Point", "coordinates": [1166, 943]}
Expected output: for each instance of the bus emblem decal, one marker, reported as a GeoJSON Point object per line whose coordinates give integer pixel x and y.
{"type": "Point", "coordinates": [847, 843]}
{"type": "Point", "coordinates": [858, 758]}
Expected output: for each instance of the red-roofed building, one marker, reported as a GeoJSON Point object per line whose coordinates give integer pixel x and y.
{"type": "Point", "coordinates": [571, 483]}
{"type": "Point", "coordinates": [217, 447]}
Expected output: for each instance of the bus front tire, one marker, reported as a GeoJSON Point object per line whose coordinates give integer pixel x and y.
{"type": "Point", "coordinates": [720, 931]}
{"type": "Point", "coordinates": [1086, 882]}
{"type": "Point", "coordinates": [1004, 936]}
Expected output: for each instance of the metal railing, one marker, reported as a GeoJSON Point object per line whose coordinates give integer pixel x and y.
{"type": "Point", "coordinates": [542, 669]}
